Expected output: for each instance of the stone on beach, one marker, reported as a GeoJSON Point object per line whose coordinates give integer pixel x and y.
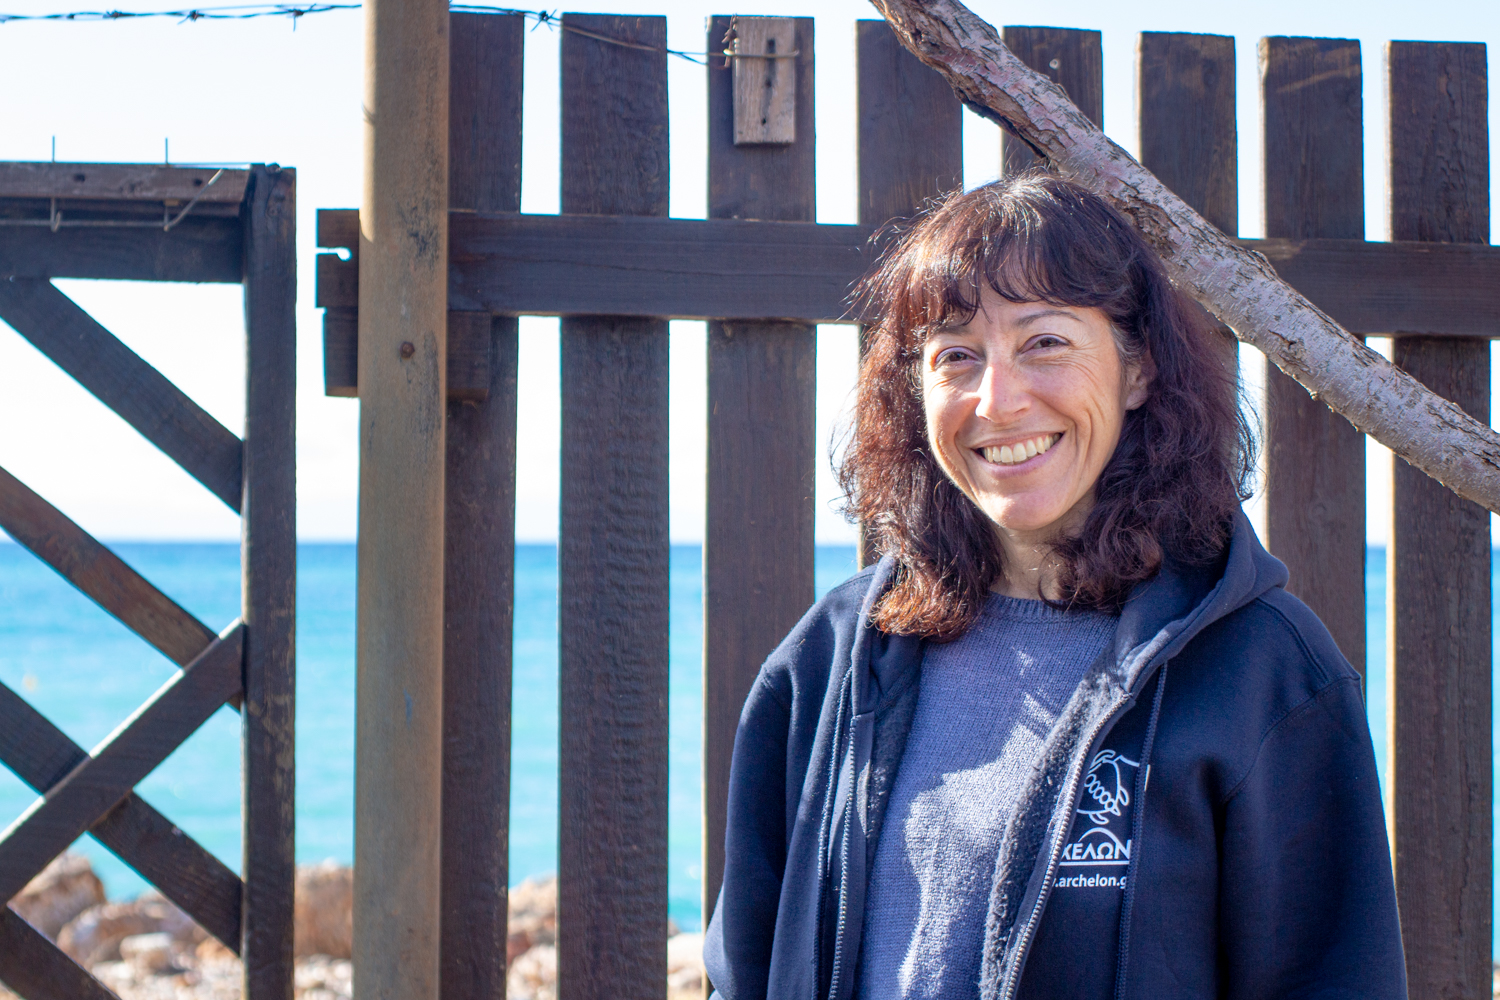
{"type": "Point", "coordinates": [148, 949]}
{"type": "Point", "coordinates": [64, 889]}
{"type": "Point", "coordinates": [323, 919]}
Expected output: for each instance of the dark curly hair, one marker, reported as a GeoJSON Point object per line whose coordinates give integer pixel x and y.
{"type": "Point", "coordinates": [1185, 457]}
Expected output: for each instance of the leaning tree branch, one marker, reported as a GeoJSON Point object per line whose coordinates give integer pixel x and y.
{"type": "Point", "coordinates": [1239, 286]}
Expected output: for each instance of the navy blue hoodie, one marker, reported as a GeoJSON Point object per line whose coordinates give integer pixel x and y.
{"type": "Point", "coordinates": [1203, 821]}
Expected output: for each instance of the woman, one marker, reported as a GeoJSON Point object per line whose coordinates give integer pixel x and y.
{"type": "Point", "coordinates": [1071, 737]}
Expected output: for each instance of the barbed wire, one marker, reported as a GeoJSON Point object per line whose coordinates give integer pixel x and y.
{"type": "Point", "coordinates": [245, 12]}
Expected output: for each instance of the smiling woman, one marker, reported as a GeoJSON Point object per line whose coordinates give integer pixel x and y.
{"type": "Point", "coordinates": [1022, 310]}
{"type": "Point", "coordinates": [940, 778]}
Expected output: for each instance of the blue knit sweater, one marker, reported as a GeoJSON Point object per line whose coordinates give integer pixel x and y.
{"type": "Point", "coordinates": [987, 702]}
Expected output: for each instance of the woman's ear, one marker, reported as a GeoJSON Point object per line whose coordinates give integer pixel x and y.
{"type": "Point", "coordinates": [1138, 379]}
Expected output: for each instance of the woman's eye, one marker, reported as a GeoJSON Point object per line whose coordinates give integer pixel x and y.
{"type": "Point", "coordinates": [952, 355]}
{"type": "Point", "coordinates": [1047, 340]}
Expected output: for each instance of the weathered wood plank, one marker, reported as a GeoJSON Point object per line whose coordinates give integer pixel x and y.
{"type": "Point", "coordinates": [1069, 57]}
{"type": "Point", "coordinates": [1440, 780]}
{"type": "Point", "coordinates": [1185, 98]}
{"type": "Point", "coordinates": [37, 969]}
{"type": "Point", "coordinates": [197, 249]}
{"type": "Point", "coordinates": [41, 755]}
{"type": "Point", "coordinates": [764, 96]}
{"type": "Point", "coordinates": [142, 396]}
{"type": "Point", "coordinates": [269, 595]}
{"type": "Point", "coordinates": [469, 353]}
{"type": "Point", "coordinates": [101, 575]}
{"type": "Point", "coordinates": [341, 352]}
{"type": "Point", "coordinates": [338, 229]}
{"type": "Point", "coordinates": [403, 259]}
{"type": "Point", "coordinates": [612, 551]}
{"type": "Point", "coordinates": [122, 182]}
{"type": "Point", "coordinates": [92, 788]}
{"type": "Point", "coordinates": [910, 129]}
{"type": "Point", "coordinates": [758, 546]}
{"type": "Point", "coordinates": [910, 143]}
{"type": "Point", "coordinates": [722, 268]}
{"type": "Point", "coordinates": [484, 149]}
{"type": "Point", "coordinates": [1187, 120]}
{"type": "Point", "coordinates": [185, 873]}
{"type": "Point", "coordinates": [551, 265]}
{"type": "Point", "coordinates": [1315, 460]}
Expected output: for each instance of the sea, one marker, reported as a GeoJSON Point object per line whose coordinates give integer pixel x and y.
{"type": "Point", "coordinates": [87, 673]}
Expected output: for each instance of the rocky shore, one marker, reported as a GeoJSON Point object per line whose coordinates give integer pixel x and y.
{"type": "Point", "coordinates": [148, 949]}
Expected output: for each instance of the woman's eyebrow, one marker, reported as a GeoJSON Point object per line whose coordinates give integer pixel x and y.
{"type": "Point", "coordinates": [1030, 318]}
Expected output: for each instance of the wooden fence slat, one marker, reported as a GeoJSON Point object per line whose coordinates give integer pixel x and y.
{"type": "Point", "coordinates": [910, 129]}
{"type": "Point", "coordinates": [1187, 121]}
{"type": "Point", "coordinates": [484, 157]}
{"type": "Point", "coordinates": [1185, 89]}
{"type": "Point", "coordinates": [612, 551]}
{"type": "Point", "coordinates": [185, 873]}
{"type": "Point", "coordinates": [41, 755]}
{"type": "Point", "coordinates": [200, 248]}
{"type": "Point", "coordinates": [550, 265]}
{"type": "Point", "coordinates": [142, 396]}
{"type": "Point", "coordinates": [149, 182]}
{"type": "Point", "coordinates": [1315, 460]}
{"type": "Point", "coordinates": [758, 543]}
{"type": "Point", "coordinates": [101, 575]}
{"type": "Point", "coordinates": [910, 143]}
{"type": "Point", "coordinates": [269, 598]}
{"type": "Point", "coordinates": [1440, 780]}
{"type": "Point", "coordinates": [91, 789]}
{"type": "Point", "coordinates": [1071, 58]}
{"type": "Point", "coordinates": [37, 969]}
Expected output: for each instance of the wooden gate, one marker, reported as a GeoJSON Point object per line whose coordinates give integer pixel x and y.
{"type": "Point", "coordinates": [761, 271]}
{"type": "Point", "coordinates": [148, 223]}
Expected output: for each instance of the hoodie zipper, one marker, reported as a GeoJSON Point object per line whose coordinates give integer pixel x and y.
{"type": "Point", "coordinates": [834, 982]}
{"type": "Point", "coordinates": [1013, 979]}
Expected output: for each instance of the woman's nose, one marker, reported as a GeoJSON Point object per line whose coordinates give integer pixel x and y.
{"type": "Point", "coordinates": [1001, 394]}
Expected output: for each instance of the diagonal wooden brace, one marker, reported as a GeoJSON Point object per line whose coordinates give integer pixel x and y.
{"type": "Point", "coordinates": [37, 969]}
{"type": "Point", "coordinates": [102, 576]}
{"type": "Point", "coordinates": [42, 755]}
{"type": "Point", "coordinates": [95, 786]}
{"type": "Point", "coordinates": [141, 395]}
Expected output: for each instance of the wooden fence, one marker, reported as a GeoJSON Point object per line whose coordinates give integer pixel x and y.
{"type": "Point", "coordinates": [762, 272]}
{"type": "Point", "coordinates": [149, 223]}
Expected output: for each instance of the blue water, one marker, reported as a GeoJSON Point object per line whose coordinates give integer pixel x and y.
{"type": "Point", "coordinates": [87, 672]}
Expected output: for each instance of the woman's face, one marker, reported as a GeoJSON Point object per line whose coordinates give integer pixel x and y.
{"type": "Point", "coordinates": [1025, 403]}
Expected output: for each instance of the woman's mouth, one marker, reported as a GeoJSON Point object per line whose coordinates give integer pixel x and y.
{"type": "Point", "coordinates": [1014, 454]}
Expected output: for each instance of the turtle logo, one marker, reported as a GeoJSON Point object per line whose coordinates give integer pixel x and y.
{"type": "Point", "coordinates": [1106, 802]}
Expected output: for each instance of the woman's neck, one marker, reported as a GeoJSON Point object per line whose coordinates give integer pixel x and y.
{"type": "Point", "coordinates": [1030, 572]}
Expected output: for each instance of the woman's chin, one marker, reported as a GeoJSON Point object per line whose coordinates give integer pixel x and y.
{"type": "Point", "coordinates": [1028, 519]}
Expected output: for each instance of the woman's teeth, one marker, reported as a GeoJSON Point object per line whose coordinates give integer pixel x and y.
{"type": "Point", "coordinates": [1010, 454]}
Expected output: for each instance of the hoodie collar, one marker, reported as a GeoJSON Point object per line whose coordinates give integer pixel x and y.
{"type": "Point", "coordinates": [1160, 617]}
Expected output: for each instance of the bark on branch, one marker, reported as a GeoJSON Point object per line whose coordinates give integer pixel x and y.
{"type": "Point", "coordinates": [1238, 286]}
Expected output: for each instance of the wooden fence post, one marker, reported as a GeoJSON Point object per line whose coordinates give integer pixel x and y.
{"type": "Point", "coordinates": [1315, 460]}
{"type": "Point", "coordinates": [1440, 654]}
{"type": "Point", "coordinates": [484, 175]}
{"type": "Point", "coordinates": [1071, 58]}
{"type": "Point", "coordinates": [613, 551]}
{"type": "Point", "coordinates": [758, 545]}
{"type": "Point", "coordinates": [403, 302]}
{"type": "Point", "coordinates": [269, 592]}
{"type": "Point", "coordinates": [1188, 134]}
{"type": "Point", "coordinates": [911, 143]}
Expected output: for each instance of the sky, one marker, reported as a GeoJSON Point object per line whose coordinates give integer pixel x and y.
{"type": "Point", "coordinates": [268, 90]}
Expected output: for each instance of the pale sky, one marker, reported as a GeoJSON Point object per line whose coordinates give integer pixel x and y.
{"type": "Point", "coordinates": [262, 91]}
